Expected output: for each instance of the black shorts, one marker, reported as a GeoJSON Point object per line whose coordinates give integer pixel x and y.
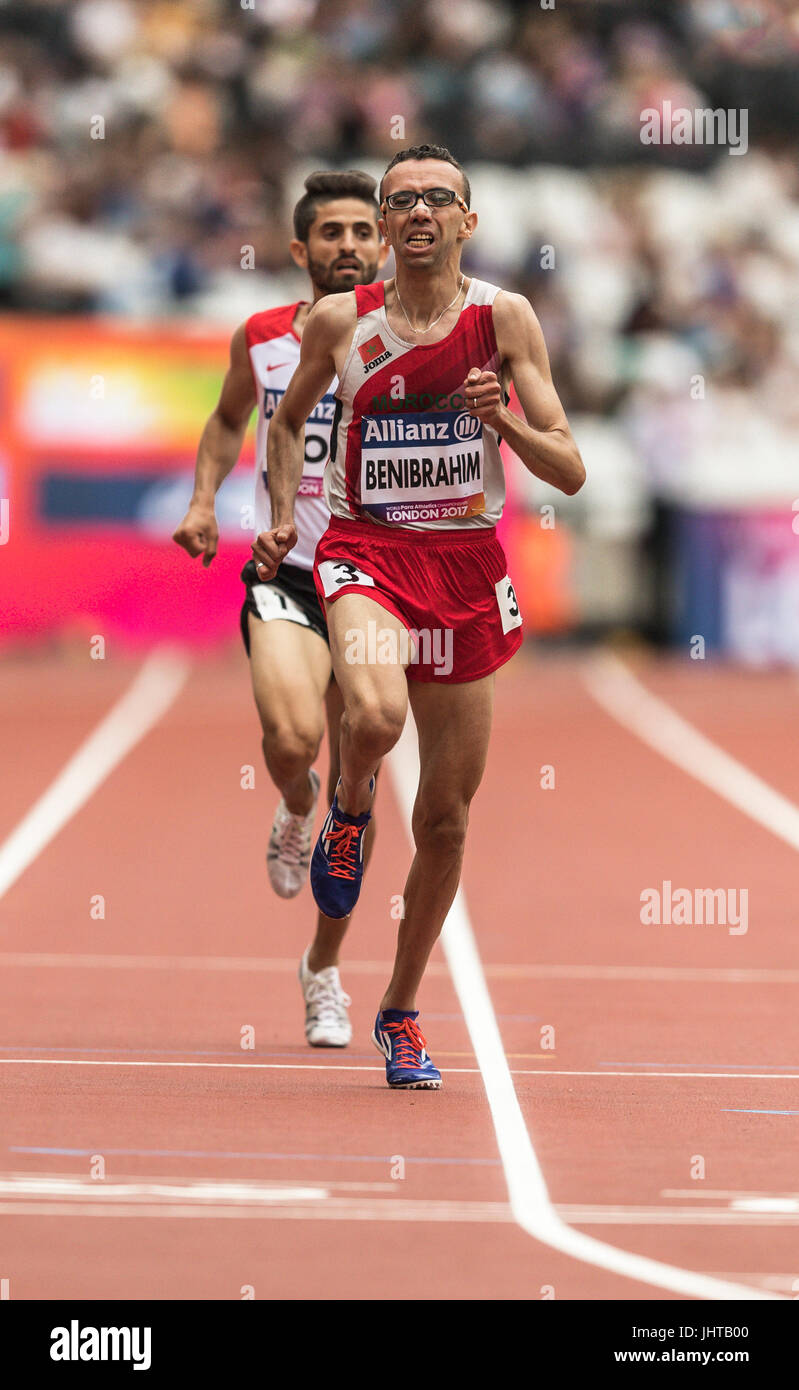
{"type": "Point", "coordinates": [291, 595]}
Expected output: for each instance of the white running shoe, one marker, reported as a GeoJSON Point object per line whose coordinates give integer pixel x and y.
{"type": "Point", "coordinates": [327, 1022]}
{"type": "Point", "coordinates": [289, 852]}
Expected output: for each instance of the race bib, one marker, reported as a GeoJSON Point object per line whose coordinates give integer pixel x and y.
{"type": "Point", "coordinates": [422, 467]}
{"type": "Point", "coordinates": [335, 574]}
{"type": "Point", "coordinates": [508, 604]}
{"type": "Point", "coordinates": [272, 603]}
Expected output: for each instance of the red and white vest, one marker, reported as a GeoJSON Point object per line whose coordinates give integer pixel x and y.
{"type": "Point", "coordinates": [274, 350]}
{"type": "Point", "coordinates": [405, 451]}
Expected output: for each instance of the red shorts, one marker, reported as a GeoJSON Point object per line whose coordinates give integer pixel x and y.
{"type": "Point", "coordinates": [450, 589]}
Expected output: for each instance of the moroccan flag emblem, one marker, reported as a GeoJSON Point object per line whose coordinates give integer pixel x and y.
{"type": "Point", "coordinates": [369, 351]}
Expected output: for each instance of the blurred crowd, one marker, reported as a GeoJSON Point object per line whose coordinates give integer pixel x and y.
{"type": "Point", "coordinates": [662, 275]}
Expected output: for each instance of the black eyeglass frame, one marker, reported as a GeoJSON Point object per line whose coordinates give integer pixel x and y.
{"type": "Point", "coordinates": [455, 198]}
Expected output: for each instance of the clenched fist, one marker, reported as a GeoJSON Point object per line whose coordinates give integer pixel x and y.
{"type": "Point", "coordinates": [198, 533]}
{"type": "Point", "coordinates": [483, 393]}
{"type": "Point", "coordinates": [272, 547]}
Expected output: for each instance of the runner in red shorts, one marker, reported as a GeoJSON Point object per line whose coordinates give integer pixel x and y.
{"type": "Point", "coordinates": [418, 599]}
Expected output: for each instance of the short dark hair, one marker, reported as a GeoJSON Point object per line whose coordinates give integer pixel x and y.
{"type": "Point", "coordinates": [430, 152]}
{"type": "Point", "coordinates": [326, 185]}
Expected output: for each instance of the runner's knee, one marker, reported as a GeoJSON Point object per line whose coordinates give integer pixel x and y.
{"type": "Point", "coordinates": [373, 725]}
{"type": "Point", "coordinates": [290, 749]}
{"type": "Point", "coordinates": [441, 830]}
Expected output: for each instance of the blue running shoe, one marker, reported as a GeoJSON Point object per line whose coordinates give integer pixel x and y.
{"type": "Point", "coordinates": [337, 863]}
{"type": "Point", "coordinates": [408, 1067]}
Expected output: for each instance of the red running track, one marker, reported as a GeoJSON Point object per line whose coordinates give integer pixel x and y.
{"type": "Point", "coordinates": [642, 1056]}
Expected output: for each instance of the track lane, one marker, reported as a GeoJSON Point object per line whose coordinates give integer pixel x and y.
{"type": "Point", "coordinates": [209, 854]}
{"type": "Point", "coordinates": [620, 820]}
{"type": "Point", "coordinates": [176, 846]}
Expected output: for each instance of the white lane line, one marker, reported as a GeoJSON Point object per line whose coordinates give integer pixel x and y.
{"type": "Point", "coordinates": [672, 1075]}
{"type": "Point", "coordinates": [377, 1070]}
{"type": "Point", "coordinates": [186, 1190]}
{"type": "Point", "coordinates": [500, 971]}
{"type": "Point", "coordinates": [786, 1205]}
{"type": "Point", "coordinates": [788, 1282]}
{"type": "Point", "coordinates": [46, 1189]}
{"type": "Point", "coordinates": [155, 687]}
{"type": "Point", "coordinates": [44, 1193]}
{"type": "Point", "coordinates": [678, 1216]}
{"type": "Point", "coordinates": [665, 973]}
{"type": "Point", "coordinates": [527, 1190]}
{"type": "Point", "coordinates": [37, 1195]}
{"type": "Point", "coordinates": [284, 965]}
{"type": "Point", "coordinates": [622, 696]}
{"type": "Point", "coordinates": [332, 1210]}
{"type": "Point", "coordinates": [723, 1193]}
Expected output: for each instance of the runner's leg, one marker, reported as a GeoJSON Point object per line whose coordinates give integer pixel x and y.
{"type": "Point", "coordinates": [454, 724]}
{"type": "Point", "coordinates": [290, 669]}
{"type": "Point", "coordinates": [375, 694]}
{"type": "Point", "coordinates": [330, 931]}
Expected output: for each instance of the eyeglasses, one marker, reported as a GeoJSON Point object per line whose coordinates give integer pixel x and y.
{"type": "Point", "coordinates": [405, 199]}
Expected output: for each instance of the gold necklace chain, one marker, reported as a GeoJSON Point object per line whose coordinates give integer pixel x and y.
{"type": "Point", "coordinates": [420, 331]}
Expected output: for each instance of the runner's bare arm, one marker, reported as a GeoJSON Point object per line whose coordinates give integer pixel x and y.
{"type": "Point", "coordinates": [316, 369]}
{"type": "Point", "coordinates": [543, 440]}
{"type": "Point", "coordinates": [326, 329]}
{"type": "Point", "coordinates": [219, 448]}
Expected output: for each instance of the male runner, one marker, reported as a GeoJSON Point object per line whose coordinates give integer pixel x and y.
{"type": "Point", "coordinates": [283, 626]}
{"type": "Point", "coordinates": [415, 486]}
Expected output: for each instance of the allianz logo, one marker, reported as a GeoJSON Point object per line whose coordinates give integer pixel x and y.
{"type": "Point", "coordinates": [396, 429]}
